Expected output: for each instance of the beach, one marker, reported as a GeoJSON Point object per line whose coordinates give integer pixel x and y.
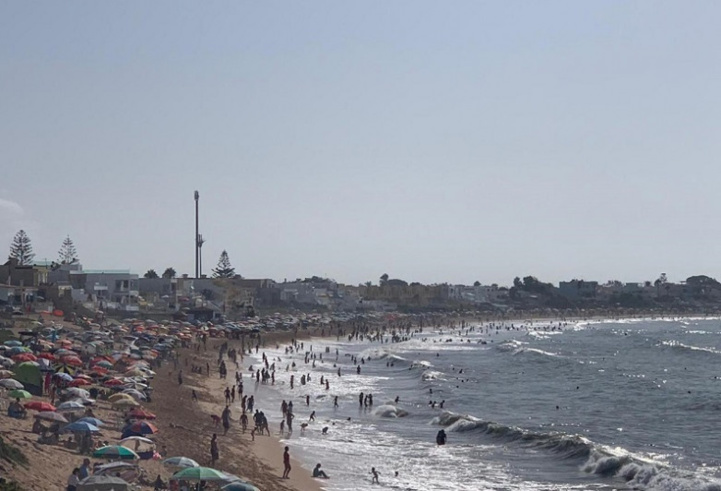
{"type": "Point", "coordinates": [184, 428]}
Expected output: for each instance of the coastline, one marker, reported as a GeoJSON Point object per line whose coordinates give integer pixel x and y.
{"type": "Point", "coordinates": [259, 461]}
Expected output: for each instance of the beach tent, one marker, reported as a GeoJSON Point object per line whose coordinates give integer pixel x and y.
{"type": "Point", "coordinates": [103, 483]}
{"type": "Point", "coordinates": [30, 376]}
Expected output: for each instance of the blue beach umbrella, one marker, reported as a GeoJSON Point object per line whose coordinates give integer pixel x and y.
{"type": "Point", "coordinates": [70, 406]}
{"type": "Point", "coordinates": [12, 343]}
{"type": "Point", "coordinates": [81, 427]}
{"type": "Point", "coordinates": [90, 420]}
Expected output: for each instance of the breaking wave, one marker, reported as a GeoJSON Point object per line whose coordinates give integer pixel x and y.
{"type": "Point", "coordinates": [596, 459]}
{"type": "Point", "coordinates": [389, 411]}
{"type": "Point", "coordinates": [686, 347]}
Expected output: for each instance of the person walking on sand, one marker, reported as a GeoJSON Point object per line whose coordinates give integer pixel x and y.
{"type": "Point", "coordinates": [375, 476]}
{"type": "Point", "coordinates": [286, 463]}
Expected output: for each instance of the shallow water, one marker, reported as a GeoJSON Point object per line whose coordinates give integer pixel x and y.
{"type": "Point", "coordinates": [609, 405]}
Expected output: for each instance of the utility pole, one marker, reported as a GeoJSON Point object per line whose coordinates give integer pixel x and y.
{"type": "Point", "coordinates": [197, 236]}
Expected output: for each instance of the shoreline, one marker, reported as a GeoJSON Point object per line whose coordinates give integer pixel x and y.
{"type": "Point", "coordinates": [259, 461]}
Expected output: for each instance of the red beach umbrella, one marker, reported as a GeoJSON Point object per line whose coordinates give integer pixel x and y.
{"type": "Point", "coordinates": [39, 406]}
{"type": "Point", "coordinates": [47, 356]}
{"type": "Point", "coordinates": [113, 382]}
{"type": "Point", "coordinates": [140, 413]}
{"type": "Point", "coordinates": [25, 357]}
{"type": "Point", "coordinates": [73, 361]}
{"type": "Point", "coordinates": [79, 382]}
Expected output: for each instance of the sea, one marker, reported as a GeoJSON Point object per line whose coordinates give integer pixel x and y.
{"type": "Point", "coordinates": [553, 405]}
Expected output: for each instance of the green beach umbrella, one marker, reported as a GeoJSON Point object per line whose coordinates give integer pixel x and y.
{"type": "Point", "coordinates": [19, 394]}
{"type": "Point", "coordinates": [200, 474]}
{"type": "Point", "coordinates": [115, 452]}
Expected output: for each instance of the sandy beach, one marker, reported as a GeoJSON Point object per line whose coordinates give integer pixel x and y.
{"type": "Point", "coordinates": [185, 429]}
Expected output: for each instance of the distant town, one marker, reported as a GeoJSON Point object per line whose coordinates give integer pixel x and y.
{"type": "Point", "coordinates": [65, 288]}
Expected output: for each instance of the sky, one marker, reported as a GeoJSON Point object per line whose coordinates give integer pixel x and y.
{"type": "Point", "coordinates": [432, 141]}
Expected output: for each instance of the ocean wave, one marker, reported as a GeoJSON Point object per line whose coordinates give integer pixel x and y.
{"type": "Point", "coordinates": [537, 352]}
{"type": "Point", "coordinates": [510, 345]}
{"type": "Point", "coordinates": [431, 375]}
{"type": "Point", "coordinates": [421, 364]}
{"type": "Point", "coordinates": [379, 354]}
{"type": "Point", "coordinates": [593, 458]}
{"type": "Point", "coordinates": [568, 446]}
{"type": "Point", "coordinates": [389, 411]}
{"type": "Point", "coordinates": [681, 346]}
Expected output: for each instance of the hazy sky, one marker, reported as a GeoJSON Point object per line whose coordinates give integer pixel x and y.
{"type": "Point", "coordinates": [433, 141]}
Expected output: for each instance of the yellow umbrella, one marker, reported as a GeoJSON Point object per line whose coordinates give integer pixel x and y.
{"type": "Point", "coordinates": [119, 397]}
{"type": "Point", "coordinates": [125, 402]}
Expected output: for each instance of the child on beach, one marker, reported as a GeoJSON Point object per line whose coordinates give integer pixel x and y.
{"type": "Point", "coordinates": [375, 476]}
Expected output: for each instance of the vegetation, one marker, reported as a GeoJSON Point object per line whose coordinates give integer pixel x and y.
{"type": "Point", "coordinates": [67, 253]}
{"type": "Point", "coordinates": [22, 249]}
{"type": "Point", "coordinates": [11, 454]}
{"type": "Point", "coordinates": [169, 273]}
{"type": "Point", "coordinates": [224, 269]}
{"type": "Point", "coordinates": [151, 274]}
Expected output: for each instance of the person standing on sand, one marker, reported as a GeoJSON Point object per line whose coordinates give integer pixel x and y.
{"type": "Point", "coordinates": [226, 419]}
{"type": "Point", "coordinates": [214, 456]}
{"type": "Point", "coordinates": [180, 377]}
{"type": "Point", "coordinates": [286, 463]}
{"type": "Point", "coordinates": [74, 480]}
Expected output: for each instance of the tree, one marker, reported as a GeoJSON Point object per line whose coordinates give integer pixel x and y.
{"type": "Point", "coordinates": [67, 253]}
{"type": "Point", "coordinates": [476, 283]}
{"type": "Point", "coordinates": [22, 249]}
{"type": "Point", "coordinates": [517, 283]}
{"type": "Point", "coordinates": [150, 274]}
{"type": "Point", "coordinates": [169, 273]}
{"type": "Point", "coordinates": [384, 279]}
{"type": "Point", "coordinates": [224, 269]}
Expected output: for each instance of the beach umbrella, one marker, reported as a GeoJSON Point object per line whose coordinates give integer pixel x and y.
{"type": "Point", "coordinates": [140, 413]}
{"type": "Point", "coordinates": [64, 376]}
{"type": "Point", "coordinates": [17, 350]}
{"type": "Point", "coordinates": [24, 357]}
{"type": "Point", "coordinates": [51, 416]}
{"type": "Point", "coordinates": [64, 368]}
{"type": "Point", "coordinates": [140, 428]}
{"type": "Point", "coordinates": [135, 394]}
{"type": "Point", "coordinates": [70, 406]}
{"type": "Point", "coordinates": [40, 406]}
{"type": "Point", "coordinates": [115, 452]}
{"type": "Point", "coordinates": [81, 427]}
{"type": "Point", "coordinates": [19, 394]}
{"type": "Point", "coordinates": [78, 392]}
{"type": "Point", "coordinates": [126, 403]}
{"type": "Point", "coordinates": [72, 361]}
{"type": "Point", "coordinates": [10, 383]}
{"type": "Point", "coordinates": [181, 462]}
{"type": "Point", "coordinates": [12, 343]}
{"type": "Point", "coordinates": [103, 483]}
{"type": "Point", "coordinates": [6, 362]}
{"type": "Point", "coordinates": [91, 420]}
{"type": "Point", "coordinates": [47, 356]}
{"type": "Point", "coordinates": [6, 374]}
{"type": "Point", "coordinates": [199, 474]}
{"type": "Point", "coordinates": [80, 382]}
{"type": "Point", "coordinates": [113, 382]}
{"type": "Point", "coordinates": [120, 397]}
{"type": "Point", "coordinates": [133, 439]}
{"type": "Point", "coordinates": [104, 364]}
{"type": "Point", "coordinates": [239, 486]}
